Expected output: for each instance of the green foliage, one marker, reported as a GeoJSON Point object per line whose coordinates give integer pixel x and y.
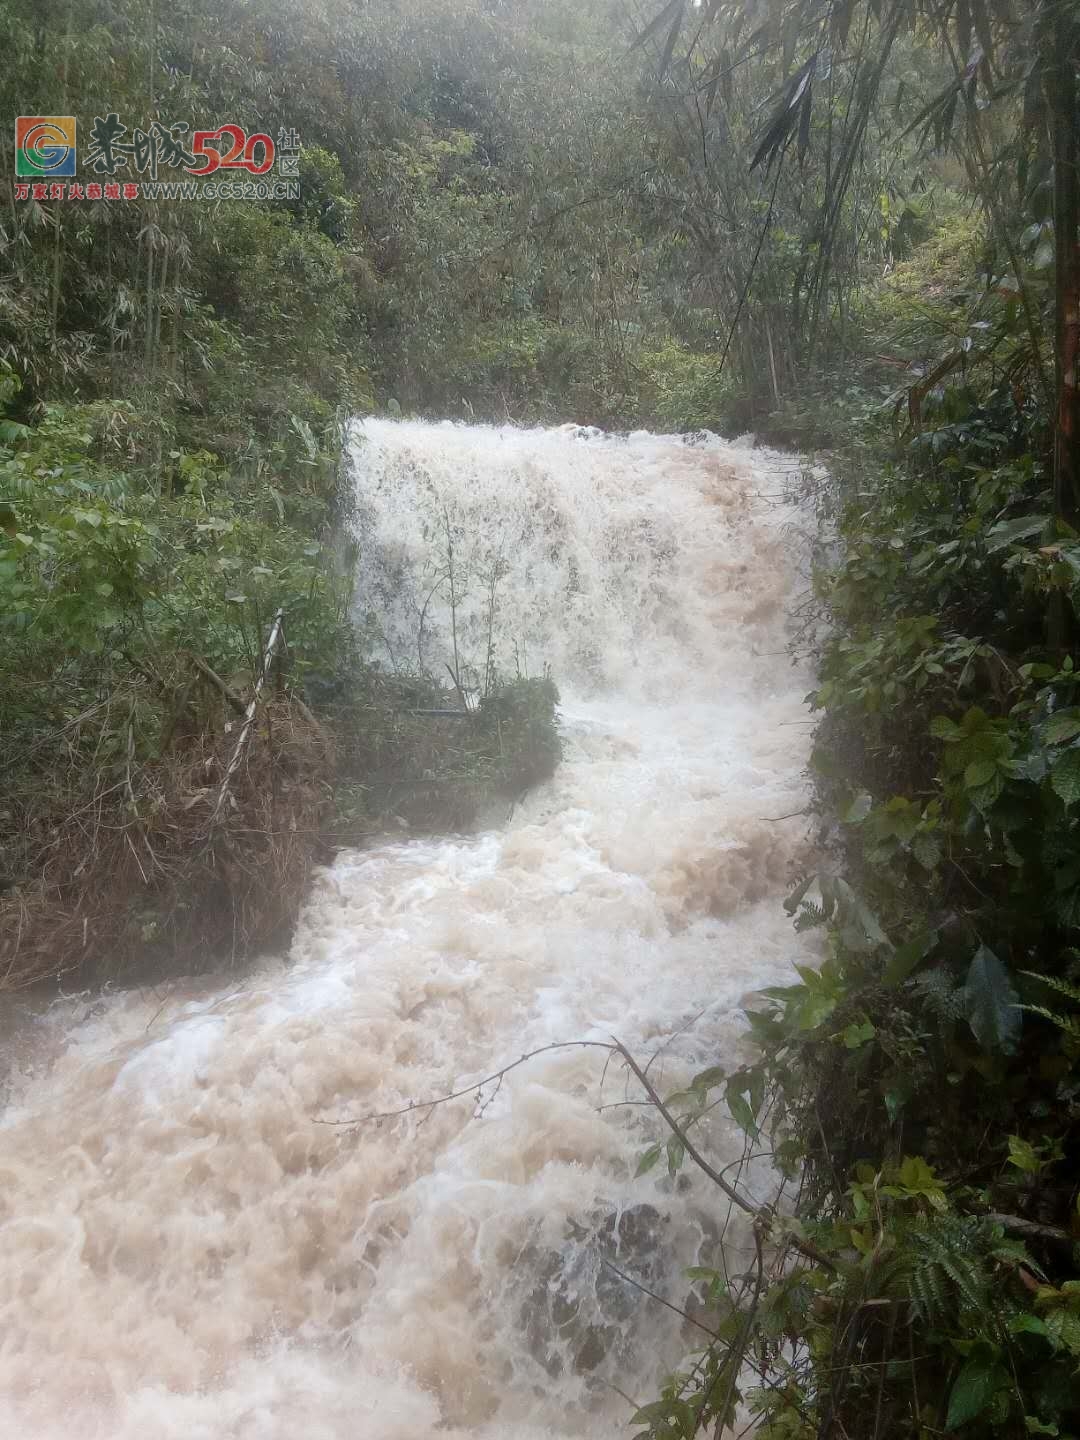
{"type": "Point", "coordinates": [921, 1081]}
{"type": "Point", "coordinates": [108, 586]}
{"type": "Point", "coordinates": [686, 390]}
{"type": "Point", "coordinates": [518, 719]}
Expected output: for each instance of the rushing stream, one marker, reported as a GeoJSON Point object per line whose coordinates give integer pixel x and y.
{"type": "Point", "coordinates": [186, 1251]}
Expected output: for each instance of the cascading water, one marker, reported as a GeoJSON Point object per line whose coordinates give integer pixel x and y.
{"type": "Point", "coordinates": [185, 1251]}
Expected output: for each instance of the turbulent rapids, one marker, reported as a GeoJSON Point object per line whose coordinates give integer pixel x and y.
{"type": "Point", "coordinates": [189, 1252]}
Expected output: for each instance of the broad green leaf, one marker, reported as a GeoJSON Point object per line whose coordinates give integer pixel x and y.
{"type": "Point", "coordinates": [1063, 1330]}
{"type": "Point", "coordinates": [905, 958]}
{"type": "Point", "coordinates": [916, 1174]}
{"type": "Point", "coordinates": [1023, 1155]}
{"type": "Point", "coordinates": [983, 796]}
{"type": "Point", "coordinates": [979, 772]}
{"type": "Point", "coordinates": [992, 1005]}
{"type": "Point", "coordinates": [1065, 776]}
{"type": "Point", "coordinates": [1009, 531]}
{"type": "Point", "coordinates": [863, 1240]}
{"type": "Point", "coordinates": [741, 1113]}
{"type": "Point", "coordinates": [816, 1009]}
{"type": "Point", "coordinates": [855, 908]}
{"type": "Point", "coordinates": [1062, 727]}
{"type": "Point", "coordinates": [973, 1389]}
{"type": "Point", "coordinates": [655, 1410]}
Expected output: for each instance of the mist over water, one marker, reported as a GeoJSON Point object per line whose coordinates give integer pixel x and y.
{"type": "Point", "coordinates": [185, 1251]}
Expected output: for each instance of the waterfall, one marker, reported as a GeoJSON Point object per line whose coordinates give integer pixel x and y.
{"type": "Point", "coordinates": [189, 1250]}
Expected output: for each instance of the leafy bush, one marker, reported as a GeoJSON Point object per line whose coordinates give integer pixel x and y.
{"type": "Point", "coordinates": [921, 1083]}
{"type": "Point", "coordinates": [683, 389]}
{"type": "Point", "coordinates": [130, 620]}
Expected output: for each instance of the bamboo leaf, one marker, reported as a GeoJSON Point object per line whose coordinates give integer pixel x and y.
{"type": "Point", "coordinates": [668, 14]}
{"type": "Point", "coordinates": [669, 47]}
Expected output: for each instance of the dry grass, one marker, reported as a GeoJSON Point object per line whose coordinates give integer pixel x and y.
{"type": "Point", "coordinates": [163, 863]}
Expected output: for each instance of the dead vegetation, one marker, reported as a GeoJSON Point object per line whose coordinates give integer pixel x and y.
{"type": "Point", "coordinates": [185, 859]}
{"type": "Point", "coordinates": [143, 838]}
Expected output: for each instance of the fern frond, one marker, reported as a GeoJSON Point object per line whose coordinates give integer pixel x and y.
{"type": "Point", "coordinates": [810, 916]}
{"type": "Point", "coordinates": [941, 994]}
{"type": "Point", "coordinates": [940, 1266]}
{"type": "Point", "coordinates": [1071, 992]}
{"type": "Point", "coordinates": [1069, 1023]}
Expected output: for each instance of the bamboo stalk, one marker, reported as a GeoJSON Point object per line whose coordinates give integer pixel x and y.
{"type": "Point", "coordinates": [249, 715]}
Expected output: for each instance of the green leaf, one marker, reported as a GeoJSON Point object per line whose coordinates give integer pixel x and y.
{"type": "Point", "coordinates": [1065, 776]}
{"type": "Point", "coordinates": [1062, 727]}
{"type": "Point", "coordinates": [856, 1036]}
{"type": "Point", "coordinates": [1009, 531]}
{"type": "Point", "coordinates": [706, 1079]}
{"type": "Point", "coordinates": [973, 1389]}
{"type": "Point", "coordinates": [655, 1410]}
{"type": "Point", "coordinates": [854, 907]}
{"type": "Point", "coordinates": [676, 1150]}
{"type": "Point", "coordinates": [916, 1174]}
{"type": "Point", "coordinates": [1023, 1155]}
{"type": "Point", "coordinates": [896, 1097]}
{"type": "Point", "coordinates": [905, 958]}
{"type": "Point", "coordinates": [1029, 767]}
{"type": "Point", "coordinates": [992, 1005]}
{"type": "Point", "coordinates": [979, 772]}
{"type": "Point", "coordinates": [649, 1159]}
{"type": "Point", "coordinates": [983, 796]}
{"type": "Point", "coordinates": [1063, 1330]}
{"type": "Point", "coordinates": [741, 1112]}
{"type": "Point", "coordinates": [1034, 1426]}
{"type": "Point", "coordinates": [815, 1010]}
